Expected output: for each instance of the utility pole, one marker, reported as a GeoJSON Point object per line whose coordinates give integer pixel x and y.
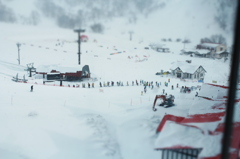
{"type": "Point", "coordinates": [18, 45]}
{"type": "Point", "coordinates": [79, 43]}
{"type": "Point", "coordinates": [130, 32]}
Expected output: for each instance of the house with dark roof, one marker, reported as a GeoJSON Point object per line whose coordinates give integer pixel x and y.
{"type": "Point", "coordinates": [212, 50]}
{"type": "Point", "coordinates": [188, 71]}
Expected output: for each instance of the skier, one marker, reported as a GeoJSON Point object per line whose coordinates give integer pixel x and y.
{"type": "Point", "coordinates": [163, 91]}
{"type": "Point", "coordinates": [31, 88]}
{"type": "Point", "coordinates": [145, 89]}
{"type": "Point", "coordinates": [172, 87]}
{"type": "Point", "coordinates": [100, 84]}
{"type": "Point", "coordinates": [92, 85]}
{"type": "Point", "coordinates": [196, 94]}
{"type": "Point", "coordinates": [169, 80]}
{"type": "Point", "coordinates": [88, 85]}
{"type": "Point", "coordinates": [177, 85]}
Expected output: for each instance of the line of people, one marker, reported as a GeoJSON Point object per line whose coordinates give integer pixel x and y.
{"type": "Point", "coordinates": [119, 83]}
{"type": "Point", "coordinates": [146, 85]}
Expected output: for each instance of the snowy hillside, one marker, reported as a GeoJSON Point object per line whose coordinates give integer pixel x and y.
{"type": "Point", "coordinates": [186, 19]}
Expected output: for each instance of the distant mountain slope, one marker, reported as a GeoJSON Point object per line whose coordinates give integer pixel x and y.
{"type": "Point", "coordinates": [154, 17]}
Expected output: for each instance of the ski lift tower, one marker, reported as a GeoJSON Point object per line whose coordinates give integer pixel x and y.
{"type": "Point", "coordinates": [18, 45]}
{"type": "Point", "coordinates": [79, 31]}
{"type": "Point", "coordinates": [30, 69]}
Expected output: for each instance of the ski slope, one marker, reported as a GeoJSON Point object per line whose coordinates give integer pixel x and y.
{"type": "Point", "coordinates": [116, 122]}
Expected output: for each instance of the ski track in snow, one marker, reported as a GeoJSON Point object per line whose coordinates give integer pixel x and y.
{"type": "Point", "coordinates": [103, 137]}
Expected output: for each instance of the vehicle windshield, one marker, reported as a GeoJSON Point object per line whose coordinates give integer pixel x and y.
{"type": "Point", "coordinates": [117, 79]}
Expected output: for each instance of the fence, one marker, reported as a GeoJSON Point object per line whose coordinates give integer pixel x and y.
{"type": "Point", "coordinates": [190, 153]}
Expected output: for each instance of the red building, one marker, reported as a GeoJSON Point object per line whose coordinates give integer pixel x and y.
{"type": "Point", "coordinates": [84, 38]}
{"type": "Point", "coordinates": [64, 73]}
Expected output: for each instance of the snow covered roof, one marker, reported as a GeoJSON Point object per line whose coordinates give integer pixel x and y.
{"type": "Point", "coordinates": [60, 68]}
{"type": "Point", "coordinates": [202, 51]}
{"type": "Point", "coordinates": [191, 136]}
{"type": "Point", "coordinates": [223, 51]}
{"type": "Point", "coordinates": [185, 67]}
{"type": "Point", "coordinates": [198, 51]}
{"type": "Point", "coordinates": [212, 92]}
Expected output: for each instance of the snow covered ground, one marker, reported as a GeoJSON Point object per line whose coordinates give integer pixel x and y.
{"type": "Point", "coordinates": [116, 122]}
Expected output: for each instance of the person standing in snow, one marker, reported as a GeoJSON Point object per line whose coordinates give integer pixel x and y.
{"type": "Point", "coordinates": [145, 89]}
{"type": "Point", "coordinates": [88, 85]}
{"type": "Point", "coordinates": [31, 88]}
{"type": "Point", "coordinates": [172, 87]}
{"type": "Point", "coordinates": [92, 85]}
{"type": "Point", "coordinates": [163, 91]}
{"type": "Point", "coordinates": [196, 94]}
{"type": "Point", "coordinates": [100, 84]}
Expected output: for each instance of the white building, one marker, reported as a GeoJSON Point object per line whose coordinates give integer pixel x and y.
{"type": "Point", "coordinates": [188, 71]}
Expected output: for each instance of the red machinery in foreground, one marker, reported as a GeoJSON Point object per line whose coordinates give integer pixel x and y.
{"type": "Point", "coordinates": [167, 101]}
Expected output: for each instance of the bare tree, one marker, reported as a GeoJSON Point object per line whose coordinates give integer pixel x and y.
{"type": "Point", "coordinates": [217, 38]}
